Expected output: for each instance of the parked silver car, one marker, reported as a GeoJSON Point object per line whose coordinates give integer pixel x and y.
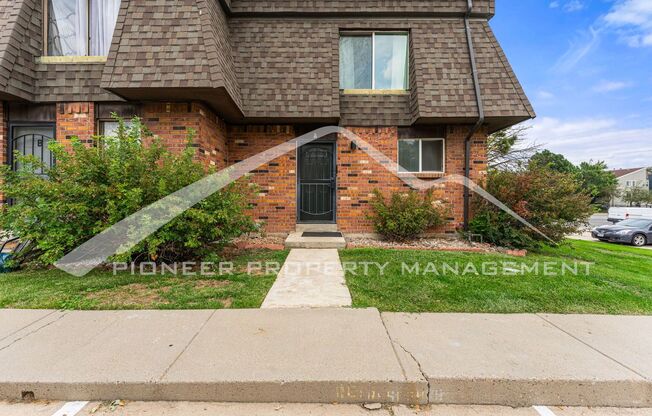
{"type": "Point", "coordinates": [637, 232]}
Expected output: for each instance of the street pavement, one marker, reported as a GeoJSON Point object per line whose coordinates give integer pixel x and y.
{"type": "Point", "coordinates": [597, 220]}
{"type": "Point", "coordinates": [123, 408]}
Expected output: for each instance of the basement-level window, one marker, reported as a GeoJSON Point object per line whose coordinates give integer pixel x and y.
{"type": "Point", "coordinates": [374, 61]}
{"type": "Point", "coordinates": [80, 27]}
{"type": "Point", "coordinates": [421, 155]}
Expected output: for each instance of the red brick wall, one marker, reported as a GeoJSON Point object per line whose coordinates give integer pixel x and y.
{"type": "Point", "coordinates": [171, 122]}
{"type": "Point", "coordinates": [220, 145]}
{"type": "Point", "coordinates": [75, 119]}
{"type": "Point", "coordinates": [275, 204]}
{"type": "Point", "coordinates": [359, 175]}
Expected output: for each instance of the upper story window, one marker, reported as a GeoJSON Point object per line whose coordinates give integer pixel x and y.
{"type": "Point", "coordinates": [80, 27]}
{"type": "Point", "coordinates": [374, 61]}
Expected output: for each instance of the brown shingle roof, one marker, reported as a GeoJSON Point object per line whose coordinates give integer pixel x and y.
{"type": "Point", "coordinates": [622, 172]}
{"type": "Point", "coordinates": [19, 43]}
{"type": "Point", "coordinates": [395, 7]}
{"type": "Point", "coordinates": [257, 67]}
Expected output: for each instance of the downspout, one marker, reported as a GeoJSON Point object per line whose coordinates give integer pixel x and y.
{"type": "Point", "coordinates": [479, 122]}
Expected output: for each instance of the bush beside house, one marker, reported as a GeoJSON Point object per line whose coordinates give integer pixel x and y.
{"type": "Point", "coordinates": [405, 215]}
{"type": "Point", "coordinates": [91, 188]}
{"type": "Point", "coordinates": [552, 201]}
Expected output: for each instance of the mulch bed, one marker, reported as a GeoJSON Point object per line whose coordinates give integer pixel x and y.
{"type": "Point", "coordinates": [437, 244]}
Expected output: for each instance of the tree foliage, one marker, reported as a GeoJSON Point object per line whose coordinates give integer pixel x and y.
{"type": "Point", "coordinates": [594, 177]}
{"type": "Point", "coordinates": [552, 161]}
{"type": "Point", "coordinates": [598, 181]}
{"type": "Point", "coordinates": [637, 196]}
{"type": "Point", "coordinates": [507, 149]}
{"type": "Point", "coordinates": [551, 201]}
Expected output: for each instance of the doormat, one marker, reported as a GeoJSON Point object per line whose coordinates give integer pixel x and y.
{"type": "Point", "coordinates": [320, 234]}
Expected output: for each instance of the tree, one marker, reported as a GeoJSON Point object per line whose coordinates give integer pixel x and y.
{"type": "Point", "coordinates": [553, 161]}
{"type": "Point", "coordinates": [551, 201]}
{"type": "Point", "coordinates": [600, 183]}
{"type": "Point", "coordinates": [507, 149]}
{"type": "Point", "coordinates": [636, 196]}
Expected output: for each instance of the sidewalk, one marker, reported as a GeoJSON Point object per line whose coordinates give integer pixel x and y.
{"type": "Point", "coordinates": [327, 355]}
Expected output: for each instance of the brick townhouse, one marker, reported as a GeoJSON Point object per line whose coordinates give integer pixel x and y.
{"type": "Point", "coordinates": [423, 81]}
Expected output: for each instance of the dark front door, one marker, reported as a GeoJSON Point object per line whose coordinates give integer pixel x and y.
{"type": "Point", "coordinates": [31, 140]}
{"type": "Point", "coordinates": [317, 182]}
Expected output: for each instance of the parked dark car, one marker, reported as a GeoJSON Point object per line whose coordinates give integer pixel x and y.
{"type": "Point", "coordinates": [637, 232]}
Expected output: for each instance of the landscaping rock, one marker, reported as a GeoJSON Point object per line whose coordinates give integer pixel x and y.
{"type": "Point", "coordinates": [439, 244]}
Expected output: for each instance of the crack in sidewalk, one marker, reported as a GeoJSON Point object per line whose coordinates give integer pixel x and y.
{"type": "Point", "coordinates": [165, 373]}
{"type": "Point", "coordinates": [26, 326]}
{"type": "Point", "coordinates": [418, 364]}
{"type": "Point", "coordinates": [644, 377]}
{"type": "Point", "coordinates": [63, 314]}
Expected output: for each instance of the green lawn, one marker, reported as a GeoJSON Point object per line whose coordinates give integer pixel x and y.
{"type": "Point", "coordinates": [101, 289]}
{"type": "Point", "coordinates": [619, 282]}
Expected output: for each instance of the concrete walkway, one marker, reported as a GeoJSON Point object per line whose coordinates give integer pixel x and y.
{"type": "Point", "coordinates": [310, 278]}
{"type": "Point", "coordinates": [327, 355]}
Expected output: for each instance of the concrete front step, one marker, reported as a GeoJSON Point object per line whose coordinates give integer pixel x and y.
{"type": "Point", "coordinates": [296, 240]}
{"type": "Point", "coordinates": [316, 227]}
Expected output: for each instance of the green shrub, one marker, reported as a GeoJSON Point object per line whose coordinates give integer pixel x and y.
{"type": "Point", "coordinates": [405, 215]}
{"type": "Point", "coordinates": [91, 188]}
{"type": "Point", "coordinates": [552, 201]}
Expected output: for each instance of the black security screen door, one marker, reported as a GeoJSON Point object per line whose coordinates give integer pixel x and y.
{"type": "Point", "coordinates": [31, 140]}
{"type": "Point", "coordinates": [317, 183]}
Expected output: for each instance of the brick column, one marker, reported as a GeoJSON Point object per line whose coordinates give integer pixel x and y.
{"type": "Point", "coordinates": [170, 122]}
{"type": "Point", "coordinates": [276, 201]}
{"type": "Point", "coordinates": [75, 119]}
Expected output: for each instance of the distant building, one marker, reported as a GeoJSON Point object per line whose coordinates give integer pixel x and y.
{"type": "Point", "coordinates": [630, 178]}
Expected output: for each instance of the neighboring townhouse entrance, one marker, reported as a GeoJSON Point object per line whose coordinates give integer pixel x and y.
{"type": "Point", "coordinates": [316, 183]}
{"type": "Point", "coordinates": [31, 140]}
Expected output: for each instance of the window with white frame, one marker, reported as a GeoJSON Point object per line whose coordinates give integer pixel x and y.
{"type": "Point", "coordinates": [80, 27]}
{"type": "Point", "coordinates": [109, 128]}
{"type": "Point", "coordinates": [422, 155]}
{"type": "Point", "coordinates": [374, 61]}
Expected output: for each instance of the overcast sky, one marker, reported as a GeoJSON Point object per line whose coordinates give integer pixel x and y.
{"type": "Point", "coordinates": [586, 65]}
